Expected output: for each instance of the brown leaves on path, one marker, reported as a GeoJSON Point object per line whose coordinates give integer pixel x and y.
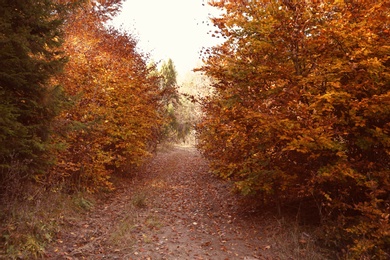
{"type": "Point", "coordinates": [176, 209]}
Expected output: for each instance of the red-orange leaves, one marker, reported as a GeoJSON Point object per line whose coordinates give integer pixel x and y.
{"type": "Point", "coordinates": [113, 121]}
{"type": "Point", "coordinates": [301, 109]}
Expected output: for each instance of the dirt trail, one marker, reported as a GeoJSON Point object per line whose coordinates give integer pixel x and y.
{"type": "Point", "coordinates": [174, 209]}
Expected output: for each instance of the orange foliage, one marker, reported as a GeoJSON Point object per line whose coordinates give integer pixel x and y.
{"type": "Point", "coordinates": [301, 110]}
{"type": "Point", "coordinates": [112, 123]}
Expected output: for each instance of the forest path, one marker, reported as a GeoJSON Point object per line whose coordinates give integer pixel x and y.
{"type": "Point", "coordinates": [176, 209]}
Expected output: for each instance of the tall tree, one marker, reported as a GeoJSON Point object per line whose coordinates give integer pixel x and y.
{"type": "Point", "coordinates": [30, 37]}
{"type": "Point", "coordinates": [301, 109]}
{"type": "Point", "coordinates": [170, 100]}
{"type": "Point", "coordinates": [169, 82]}
{"type": "Point", "coordinates": [115, 116]}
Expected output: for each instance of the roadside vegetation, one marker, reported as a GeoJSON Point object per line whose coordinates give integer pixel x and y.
{"type": "Point", "coordinates": [291, 111]}
{"type": "Point", "coordinates": [300, 113]}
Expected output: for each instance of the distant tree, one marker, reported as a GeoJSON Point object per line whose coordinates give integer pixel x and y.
{"type": "Point", "coordinates": [168, 75]}
{"type": "Point", "coordinates": [194, 88]}
{"type": "Point", "coordinates": [30, 41]}
{"type": "Point", "coordinates": [170, 100]}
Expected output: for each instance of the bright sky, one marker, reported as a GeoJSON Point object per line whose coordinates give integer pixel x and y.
{"type": "Point", "coordinates": [175, 29]}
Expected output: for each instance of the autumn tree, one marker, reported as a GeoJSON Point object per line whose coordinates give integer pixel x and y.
{"type": "Point", "coordinates": [301, 109]}
{"type": "Point", "coordinates": [112, 123]}
{"type": "Point", "coordinates": [30, 40]}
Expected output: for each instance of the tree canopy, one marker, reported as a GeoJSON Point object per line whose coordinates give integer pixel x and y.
{"type": "Point", "coordinates": [114, 121]}
{"type": "Point", "coordinates": [30, 55]}
{"type": "Point", "coordinates": [301, 110]}
{"type": "Point", "coordinates": [76, 95]}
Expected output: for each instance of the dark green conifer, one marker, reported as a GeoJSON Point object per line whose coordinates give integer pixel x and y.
{"type": "Point", "coordinates": [30, 41]}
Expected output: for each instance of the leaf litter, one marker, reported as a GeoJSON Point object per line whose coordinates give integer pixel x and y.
{"type": "Point", "coordinates": [176, 209]}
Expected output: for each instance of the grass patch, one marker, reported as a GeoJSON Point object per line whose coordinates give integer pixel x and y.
{"type": "Point", "coordinates": [139, 200]}
{"type": "Point", "coordinates": [153, 222]}
{"type": "Point", "coordinates": [83, 203]}
{"type": "Point", "coordinates": [146, 239]}
{"type": "Point", "coordinates": [122, 236]}
{"type": "Point", "coordinates": [293, 241]}
{"type": "Point", "coordinates": [28, 224]}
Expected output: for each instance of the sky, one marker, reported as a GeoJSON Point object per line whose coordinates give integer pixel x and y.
{"type": "Point", "coordinates": [175, 29]}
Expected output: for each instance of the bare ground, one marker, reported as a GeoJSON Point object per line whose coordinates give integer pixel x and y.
{"type": "Point", "coordinates": [176, 209]}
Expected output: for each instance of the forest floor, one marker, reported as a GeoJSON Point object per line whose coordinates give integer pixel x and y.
{"type": "Point", "coordinates": [174, 208]}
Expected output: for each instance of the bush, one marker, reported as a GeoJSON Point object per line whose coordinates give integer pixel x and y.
{"type": "Point", "coordinates": [301, 110]}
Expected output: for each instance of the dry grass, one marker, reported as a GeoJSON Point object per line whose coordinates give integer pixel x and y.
{"type": "Point", "coordinates": [30, 223]}
{"type": "Point", "coordinates": [153, 222]}
{"type": "Point", "coordinates": [121, 235]}
{"type": "Point", "coordinates": [292, 241]}
{"type": "Point", "coordinates": [139, 200]}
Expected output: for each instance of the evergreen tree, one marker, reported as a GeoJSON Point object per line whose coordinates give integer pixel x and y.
{"type": "Point", "coordinates": [169, 100]}
{"type": "Point", "coordinates": [30, 37]}
{"type": "Point", "coordinates": [169, 82]}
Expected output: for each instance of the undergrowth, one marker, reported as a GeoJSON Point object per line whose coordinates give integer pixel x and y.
{"type": "Point", "coordinates": [29, 223]}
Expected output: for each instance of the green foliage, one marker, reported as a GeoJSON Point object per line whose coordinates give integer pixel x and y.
{"type": "Point", "coordinates": [168, 75]}
{"type": "Point", "coordinates": [169, 101]}
{"type": "Point", "coordinates": [301, 109]}
{"type": "Point", "coordinates": [29, 224]}
{"type": "Point", "coordinates": [106, 116]}
{"type": "Point", "coordinates": [30, 39]}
